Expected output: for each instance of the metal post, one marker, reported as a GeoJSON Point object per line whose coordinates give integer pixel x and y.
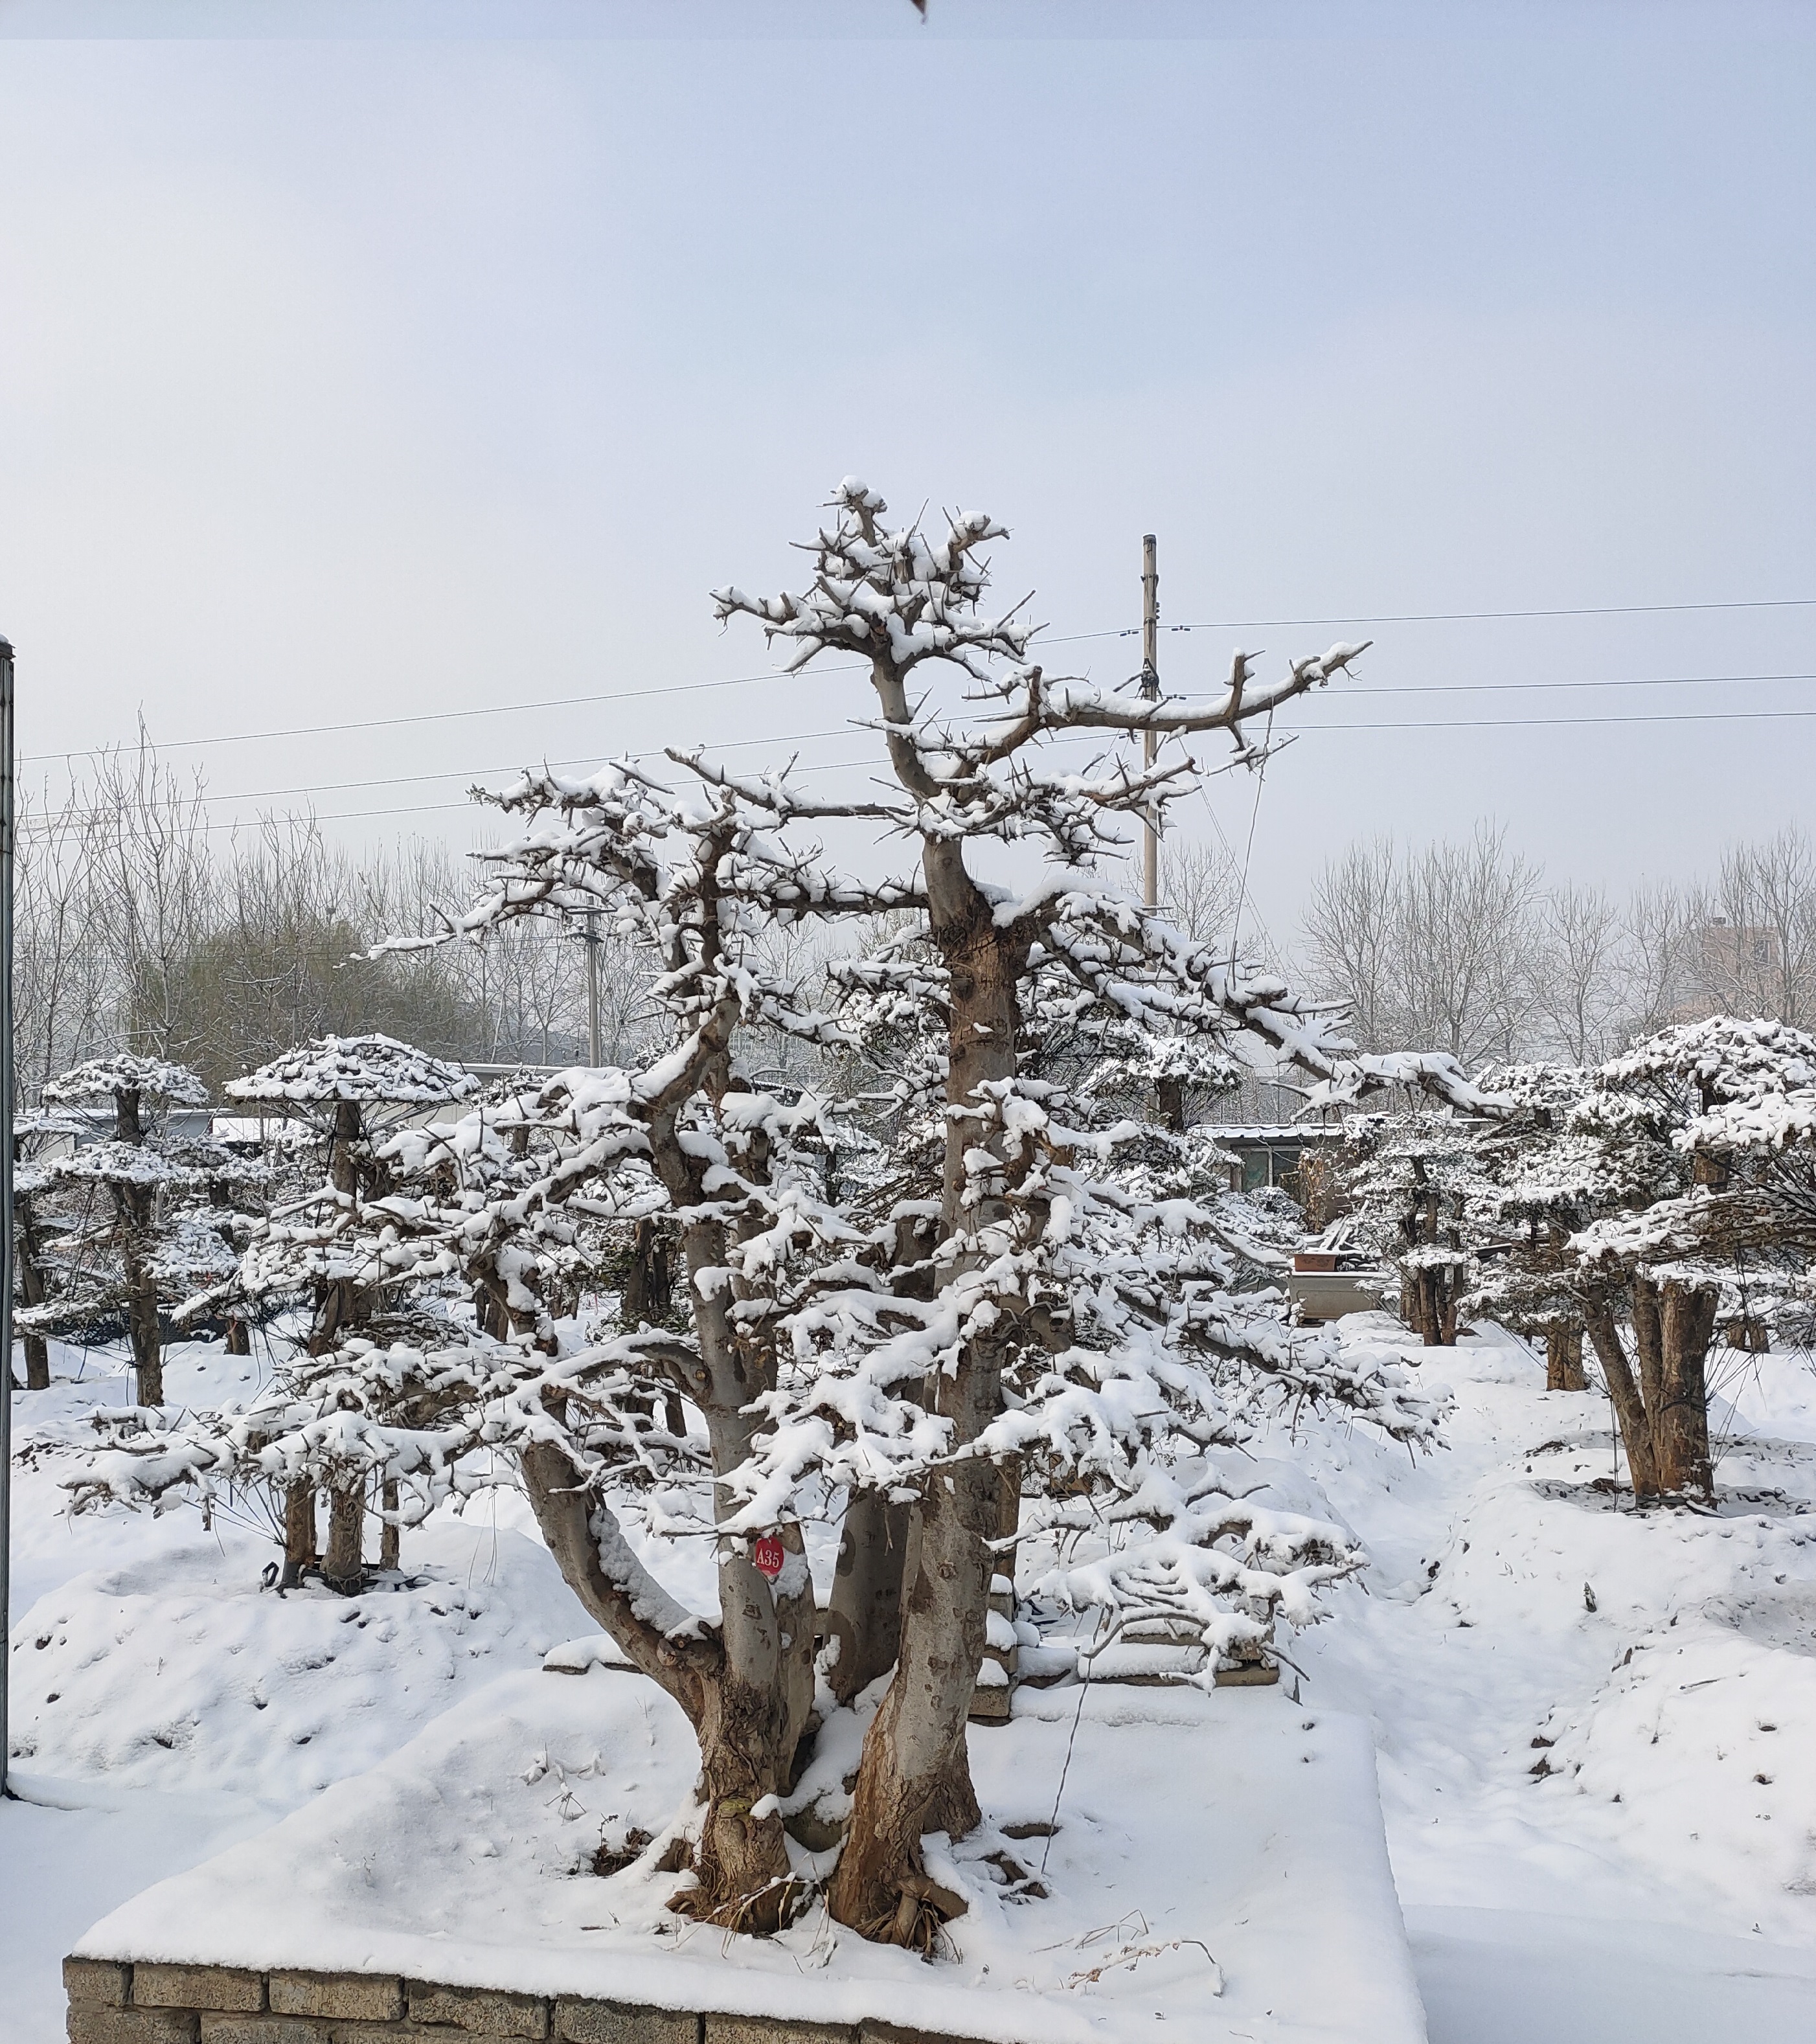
{"type": "Point", "coordinates": [1150, 693]}
{"type": "Point", "coordinates": [593, 988]}
{"type": "Point", "coordinates": [6, 1193]}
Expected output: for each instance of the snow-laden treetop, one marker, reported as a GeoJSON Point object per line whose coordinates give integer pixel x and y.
{"type": "Point", "coordinates": [1725, 1058]}
{"type": "Point", "coordinates": [106, 1078]}
{"type": "Point", "coordinates": [376, 1069]}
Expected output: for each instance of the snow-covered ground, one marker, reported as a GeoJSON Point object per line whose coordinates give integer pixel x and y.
{"type": "Point", "coordinates": [1655, 1875]}
{"type": "Point", "coordinates": [456, 1860]}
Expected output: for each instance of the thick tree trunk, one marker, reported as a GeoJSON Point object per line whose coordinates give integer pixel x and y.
{"type": "Point", "coordinates": [914, 1775]}
{"type": "Point", "coordinates": [299, 1533]}
{"type": "Point", "coordinates": [136, 1211]}
{"type": "Point", "coordinates": [390, 1536]}
{"type": "Point", "coordinates": [141, 1299]}
{"type": "Point", "coordinates": [1444, 1284]}
{"type": "Point", "coordinates": [1169, 1102]}
{"type": "Point", "coordinates": [649, 1290]}
{"type": "Point", "coordinates": [747, 1691]}
{"type": "Point", "coordinates": [1428, 1320]}
{"type": "Point", "coordinates": [747, 1752]}
{"type": "Point", "coordinates": [1630, 1412]}
{"type": "Point", "coordinates": [344, 1147]}
{"type": "Point", "coordinates": [1564, 1357]}
{"type": "Point", "coordinates": [865, 1615]}
{"type": "Point", "coordinates": [1686, 1321]}
{"type": "Point", "coordinates": [344, 1569]}
{"type": "Point", "coordinates": [27, 1250]}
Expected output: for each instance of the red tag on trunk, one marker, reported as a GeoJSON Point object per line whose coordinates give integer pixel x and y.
{"type": "Point", "coordinates": [767, 1553]}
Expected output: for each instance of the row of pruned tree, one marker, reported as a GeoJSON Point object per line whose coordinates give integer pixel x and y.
{"type": "Point", "coordinates": [1657, 1203]}
{"type": "Point", "coordinates": [987, 1300]}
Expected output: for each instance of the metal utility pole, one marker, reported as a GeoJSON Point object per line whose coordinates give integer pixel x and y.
{"type": "Point", "coordinates": [593, 988]}
{"type": "Point", "coordinates": [5, 1190]}
{"type": "Point", "coordinates": [1150, 693]}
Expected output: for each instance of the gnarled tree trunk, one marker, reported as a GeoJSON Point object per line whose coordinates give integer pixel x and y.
{"type": "Point", "coordinates": [299, 1533]}
{"type": "Point", "coordinates": [914, 1775]}
{"type": "Point", "coordinates": [1630, 1413]}
{"type": "Point", "coordinates": [1564, 1357]}
{"type": "Point", "coordinates": [1663, 1412]}
{"type": "Point", "coordinates": [865, 1615]}
{"type": "Point", "coordinates": [1687, 1326]}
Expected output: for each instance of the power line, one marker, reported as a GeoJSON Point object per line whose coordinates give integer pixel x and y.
{"type": "Point", "coordinates": [838, 766]}
{"type": "Point", "coordinates": [1462, 616]}
{"type": "Point", "coordinates": [1539, 723]}
{"type": "Point", "coordinates": [439, 716]}
{"type": "Point", "coordinates": [1503, 688]}
{"type": "Point", "coordinates": [1063, 639]}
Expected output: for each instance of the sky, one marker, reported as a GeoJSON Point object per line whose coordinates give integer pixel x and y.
{"type": "Point", "coordinates": [423, 372]}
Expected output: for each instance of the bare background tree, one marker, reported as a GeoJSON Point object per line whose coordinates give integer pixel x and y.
{"type": "Point", "coordinates": [139, 929]}
{"type": "Point", "coordinates": [1466, 947]}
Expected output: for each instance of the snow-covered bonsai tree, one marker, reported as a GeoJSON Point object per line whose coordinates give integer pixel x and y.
{"type": "Point", "coordinates": [1705, 1117]}
{"type": "Point", "coordinates": [32, 1230]}
{"type": "Point", "coordinates": [1546, 1181]}
{"type": "Point", "coordinates": [930, 1327]}
{"type": "Point", "coordinates": [1418, 1186]}
{"type": "Point", "coordinates": [1018, 1285]}
{"type": "Point", "coordinates": [351, 1091]}
{"type": "Point", "coordinates": [148, 1222]}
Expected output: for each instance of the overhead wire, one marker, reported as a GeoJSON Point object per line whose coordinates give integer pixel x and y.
{"type": "Point", "coordinates": [1062, 639]}
{"type": "Point", "coordinates": [212, 799]}
{"type": "Point", "coordinates": [1466, 616]}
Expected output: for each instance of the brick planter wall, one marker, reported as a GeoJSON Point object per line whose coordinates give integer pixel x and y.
{"type": "Point", "coordinates": [111, 2001]}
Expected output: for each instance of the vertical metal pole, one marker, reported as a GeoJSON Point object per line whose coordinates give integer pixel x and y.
{"type": "Point", "coordinates": [6, 1196]}
{"type": "Point", "coordinates": [1150, 693]}
{"type": "Point", "coordinates": [593, 988]}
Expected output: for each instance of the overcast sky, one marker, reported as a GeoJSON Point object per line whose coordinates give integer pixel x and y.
{"type": "Point", "coordinates": [383, 377]}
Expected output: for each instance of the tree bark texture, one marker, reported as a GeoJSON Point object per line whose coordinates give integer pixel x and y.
{"type": "Point", "coordinates": [1686, 1325]}
{"type": "Point", "coordinates": [135, 1206]}
{"type": "Point", "coordinates": [914, 1774]}
{"type": "Point", "coordinates": [1625, 1395]}
{"type": "Point", "coordinates": [28, 1252]}
{"type": "Point", "coordinates": [1564, 1357]}
{"type": "Point", "coordinates": [865, 1615]}
{"type": "Point", "coordinates": [343, 1567]}
{"type": "Point", "coordinates": [299, 1533]}
{"type": "Point", "coordinates": [1664, 1412]}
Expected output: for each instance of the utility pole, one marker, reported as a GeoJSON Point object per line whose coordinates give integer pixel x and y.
{"type": "Point", "coordinates": [593, 988]}
{"type": "Point", "coordinates": [1150, 693]}
{"type": "Point", "coordinates": [5, 1191]}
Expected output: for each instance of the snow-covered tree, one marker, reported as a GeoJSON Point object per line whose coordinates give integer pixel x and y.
{"type": "Point", "coordinates": [350, 1091]}
{"type": "Point", "coordinates": [1707, 1117]}
{"type": "Point", "coordinates": [148, 1216]}
{"type": "Point", "coordinates": [1547, 1180]}
{"type": "Point", "coordinates": [1416, 1182]}
{"type": "Point", "coordinates": [1017, 1280]}
{"type": "Point", "coordinates": [32, 1275]}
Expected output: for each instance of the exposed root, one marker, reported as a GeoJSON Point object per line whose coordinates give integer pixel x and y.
{"type": "Point", "coordinates": [771, 1909]}
{"type": "Point", "coordinates": [918, 1922]}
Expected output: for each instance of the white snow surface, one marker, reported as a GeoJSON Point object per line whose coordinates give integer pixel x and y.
{"type": "Point", "coordinates": [466, 1857]}
{"type": "Point", "coordinates": [1648, 1883]}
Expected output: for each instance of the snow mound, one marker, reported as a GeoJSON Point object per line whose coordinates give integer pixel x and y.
{"type": "Point", "coordinates": [178, 1672]}
{"type": "Point", "coordinates": [467, 1856]}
